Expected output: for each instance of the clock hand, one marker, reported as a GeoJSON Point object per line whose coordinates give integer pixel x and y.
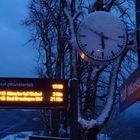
{"type": "Point", "coordinates": [106, 37]}
{"type": "Point", "coordinates": [115, 40]}
{"type": "Point", "coordinates": [93, 31]}
{"type": "Point", "coordinates": [99, 34]}
{"type": "Point", "coordinates": [103, 41]}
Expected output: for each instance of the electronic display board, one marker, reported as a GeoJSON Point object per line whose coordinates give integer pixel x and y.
{"type": "Point", "coordinates": [33, 93]}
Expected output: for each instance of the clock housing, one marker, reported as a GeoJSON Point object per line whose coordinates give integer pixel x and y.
{"type": "Point", "coordinates": [101, 38]}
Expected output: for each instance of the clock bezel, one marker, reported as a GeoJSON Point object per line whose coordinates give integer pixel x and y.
{"type": "Point", "coordinates": [88, 57]}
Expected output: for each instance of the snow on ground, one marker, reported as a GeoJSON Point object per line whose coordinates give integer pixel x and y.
{"type": "Point", "coordinates": [103, 137]}
{"type": "Point", "coordinates": [18, 136]}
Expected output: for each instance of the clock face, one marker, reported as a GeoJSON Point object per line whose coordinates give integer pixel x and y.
{"type": "Point", "coordinates": [101, 37]}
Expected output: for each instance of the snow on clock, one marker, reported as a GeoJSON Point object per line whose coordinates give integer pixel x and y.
{"type": "Point", "coordinates": [101, 38]}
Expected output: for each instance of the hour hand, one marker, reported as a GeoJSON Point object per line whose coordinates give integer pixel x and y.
{"type": "Point", "coordinates": [102, 41]}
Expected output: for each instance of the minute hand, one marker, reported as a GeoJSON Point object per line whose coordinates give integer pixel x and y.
{"type": "Point", "coordinates": [92, 30]}
{"type": "Point", "coordinates": [113, 39]}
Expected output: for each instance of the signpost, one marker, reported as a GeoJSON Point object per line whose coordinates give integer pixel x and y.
{"type": "Point", "coordinates": [137, 5]}
{"type": "Point", "coordinates": [130, 90]}
{"type": "Point", "coordinates": [33, 93]}
{"type": "Point", "coordinates": [74, 110]}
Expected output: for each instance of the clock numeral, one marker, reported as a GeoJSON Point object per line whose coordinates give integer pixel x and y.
{"type": "Point", "coordinates": [102, 55]}
{"type": "Point", "coordinates": [92, 53]}
{"type": "Point", "coordinates": [112, 53]}
{"type": "Point", "coordinates": [121, 36]}
{"type": "Point", "coordinates": [120, 46]}
{"type": "Point", "coordinates": [84, 45]}
{"type": "Point", "coordinates": [82, 35]}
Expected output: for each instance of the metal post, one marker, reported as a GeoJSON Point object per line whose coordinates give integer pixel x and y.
{"type": "Point", "coordinates": [74, 110]}
{"type": "Point", "coordinates": [137, 4]}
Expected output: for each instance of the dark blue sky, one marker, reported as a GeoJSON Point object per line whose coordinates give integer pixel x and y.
{"type": "Point", "coordinates": [16, 58]}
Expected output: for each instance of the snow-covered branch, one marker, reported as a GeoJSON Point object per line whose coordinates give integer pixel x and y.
{"type": "Point", "coordinates": [92, 4]}
{"type": "Point", "coordinates": [95, 70]}
{"type": "Point", "coordinates": [71, 24]}
{"type": "Point", "coordinates": [73, 42]}
{"type": "Point", "coordinates": [110, 99]}
{"type": "Point", "coordinates": [88, 124]}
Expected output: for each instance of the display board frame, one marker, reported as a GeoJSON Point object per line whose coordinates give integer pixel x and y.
{"type": "Point", "coordinates": [52, 91]}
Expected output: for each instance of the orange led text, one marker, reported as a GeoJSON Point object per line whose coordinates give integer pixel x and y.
{"type": "Point", "coordinates": [21, 96]}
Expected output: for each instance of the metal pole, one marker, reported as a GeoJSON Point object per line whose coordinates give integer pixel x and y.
{"type": "Point", "coordinates": [137, 4]}
{"type": "Point", "coordinates": [74, 110]}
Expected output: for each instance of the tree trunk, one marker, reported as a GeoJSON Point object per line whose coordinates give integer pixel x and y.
{"type": "Point", "coordinates": [92, 133]}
